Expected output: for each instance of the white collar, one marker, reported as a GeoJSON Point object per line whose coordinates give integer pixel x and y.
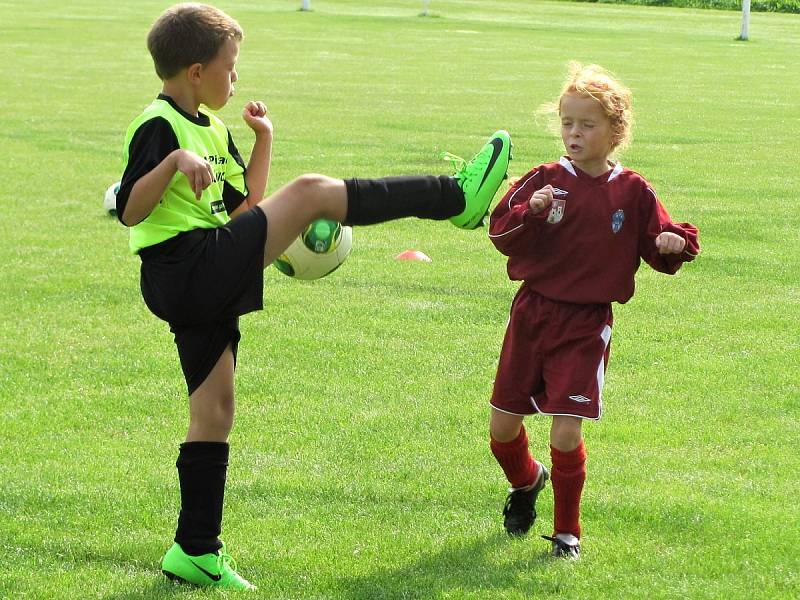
{"type": "Point", "coordinates": [565, 162]}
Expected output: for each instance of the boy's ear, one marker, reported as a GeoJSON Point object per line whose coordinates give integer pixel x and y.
{"type": "Point", "coordinates": [193, 72]}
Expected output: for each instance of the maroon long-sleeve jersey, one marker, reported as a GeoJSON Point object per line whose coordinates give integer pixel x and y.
{"type": "Point", "coordinates": [587, 246]}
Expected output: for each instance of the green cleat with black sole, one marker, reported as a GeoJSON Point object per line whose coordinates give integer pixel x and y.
{"type": "Point", "coordinates": [480, 178]}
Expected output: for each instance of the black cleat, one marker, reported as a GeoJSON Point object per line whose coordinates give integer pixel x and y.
{"type": "Point", "coordinates": [520, 508]}
{"type": "Point", "coordinates": [565, 545]}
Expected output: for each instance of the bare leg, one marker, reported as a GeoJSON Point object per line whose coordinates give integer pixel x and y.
{"type": "Point", "coordinates": [211, 406]}
{"type": "Point", "coordinates": [565, 433]}
{"type": "Point", "coordinates": [298, 203]}
{"type": "Point", "coordinates": [203, 460]}
{"type": "Point", "coordinates": [504, 427]}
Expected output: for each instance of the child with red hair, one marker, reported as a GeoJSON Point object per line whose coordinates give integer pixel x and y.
{"type": "Point", "coordinates": [575, 232]}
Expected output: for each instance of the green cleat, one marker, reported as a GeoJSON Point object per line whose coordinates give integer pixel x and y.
{"type": "Point", "coordinates": [208, 570]}
{"type": "Point", "coordinates": [480, 178]}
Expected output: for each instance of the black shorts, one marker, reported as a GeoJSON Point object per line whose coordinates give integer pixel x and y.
{"type": "Point", "coordinates": [200, 282]}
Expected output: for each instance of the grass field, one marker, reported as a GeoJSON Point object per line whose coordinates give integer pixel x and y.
{"type": "Point", "coordinates": [360, 465]}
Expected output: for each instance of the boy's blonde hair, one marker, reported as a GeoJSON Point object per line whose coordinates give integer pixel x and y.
{"type": "Point", "coordinates": [189, 33]}
{"type": "Point", "coordinates": [614, 98]}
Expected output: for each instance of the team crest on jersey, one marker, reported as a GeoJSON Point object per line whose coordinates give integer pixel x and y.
{"type": "Point", "coordinates": [557, 210]}
{"type": "Point", "coordinates": [616, 220]}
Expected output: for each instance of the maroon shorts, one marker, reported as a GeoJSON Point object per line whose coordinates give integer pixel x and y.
{"type": "Point", "coordinates": [554, 358]}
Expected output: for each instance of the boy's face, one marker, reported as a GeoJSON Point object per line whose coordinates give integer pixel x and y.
{"type": "Point", "coordinates": [218, 76]}
{"type": "Point", "coordinates": [586, 131]}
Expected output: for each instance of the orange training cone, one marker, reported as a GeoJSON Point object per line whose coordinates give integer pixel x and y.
{"type": "Point", "coordinates": [413, 255]}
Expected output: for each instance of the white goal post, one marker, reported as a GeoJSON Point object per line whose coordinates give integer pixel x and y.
{"type": "Point", "coordinates": [305, 5]}
{"type": "Point", "coordinates": [745, 20]}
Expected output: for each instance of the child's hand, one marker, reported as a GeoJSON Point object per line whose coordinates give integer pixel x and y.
{"type": "Point", "coordinates": [198, 171]}
{"type": "Point", "coordinates": [670, 243]}
{"type": "Point", "coordinates": [541, 199]}
{"type": "Point", "coordinates": [254, 114]}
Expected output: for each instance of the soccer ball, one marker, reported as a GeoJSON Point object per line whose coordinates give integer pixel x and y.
{"type": "Point", "coordinates": [110, 199]}
{"type": "Point", "coordinates": [318, 251]}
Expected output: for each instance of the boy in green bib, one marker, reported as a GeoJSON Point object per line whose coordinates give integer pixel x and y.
{"type": "Point", "coordinates": [204, 231]}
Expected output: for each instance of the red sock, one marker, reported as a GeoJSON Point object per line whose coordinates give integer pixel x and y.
{"type": "Point", "coordinates": [516, 460]}
{"type": "Point", "coordinates": [567, 477]}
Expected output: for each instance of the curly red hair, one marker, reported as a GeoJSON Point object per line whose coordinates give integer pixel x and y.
{"type": "Point", "coordinates": [596, 82]}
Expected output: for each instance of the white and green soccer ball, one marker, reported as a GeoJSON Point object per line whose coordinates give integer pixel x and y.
{"type": "Point", "coordinates": [110, 199]}
{"type": "Point", "coordinates": [318, 251]}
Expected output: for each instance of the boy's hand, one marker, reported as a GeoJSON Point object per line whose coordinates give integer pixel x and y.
{"type": "Point", "coordinates": [670, 243]}
{"type": "Point", "coordinates": [541, 199]}
{"type": "Point", "coordinates": [254, 114]}
{"type": "Point", "coordinates": [198, 171]}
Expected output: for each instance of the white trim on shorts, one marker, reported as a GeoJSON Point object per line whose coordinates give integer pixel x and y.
{"type": "Point", "coordinates": [508, 412]}
{"type": "Point", "coordinates": [605, 335]}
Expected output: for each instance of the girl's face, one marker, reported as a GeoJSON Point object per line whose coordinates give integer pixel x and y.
{"type": "Point", "coordinates": [586, 132]}
{"type": "Point", "coordinates": [219, 75]}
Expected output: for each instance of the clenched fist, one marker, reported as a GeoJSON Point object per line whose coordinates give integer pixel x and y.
{"type": "Point", "coordinates": [541, 199]}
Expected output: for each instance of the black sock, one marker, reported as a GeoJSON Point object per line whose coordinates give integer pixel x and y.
{"type": "Point", "coordinates": [372, 201]}
{"type": "Point", "coordinates": [202, 468]}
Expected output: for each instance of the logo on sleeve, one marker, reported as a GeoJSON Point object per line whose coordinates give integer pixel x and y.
{"type": "Point", "coordinates": [616, 220]}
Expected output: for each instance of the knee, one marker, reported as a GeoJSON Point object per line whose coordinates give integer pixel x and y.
{"type": "Point", "coordinates": [565, 433]}
{"type": "Point", "coordinates": [312, 186]}
{"type": "Point", "coordinates": [215, 416]}
{"type": "Point", "coordinates": [225, 412]}
{"type": "Point", "coordinates": [311, 195]}
{"type": "Point", "coordinates": [503, 427]}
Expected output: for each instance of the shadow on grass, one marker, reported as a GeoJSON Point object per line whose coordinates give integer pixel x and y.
{"type": "Point", "coordinates": [156, 589]}
{"type": "Point", "coordinates": [493, 565]}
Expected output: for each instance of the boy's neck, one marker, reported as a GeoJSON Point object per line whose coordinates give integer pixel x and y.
{"type": "Point", "coordinates": [182, 97]}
